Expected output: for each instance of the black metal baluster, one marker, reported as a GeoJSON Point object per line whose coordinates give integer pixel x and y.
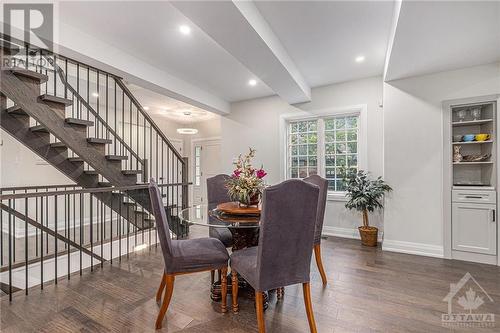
{"type": "Point", "coordinates": [96, 125]}
{"type": "Point", "coordinates": [47, 221]}
{"type": "Point", "coordinates": [91, 233]}
{"type": "Point", "coordinates": [55, 77]}
{"type": "Point", "coordinates": [107, 121]}
{"type": "Point", "coordinates": [1, 236]}
{"type": "Point", "coordinates": [69, 235]}
{"type": "Point", "coordinates": [36, 229]}
{"type": "Point", "coordinates": [26, 244]}
{"type": "Point", "coordinates": [10, 251]}
{"type": "Point", "coordinates": [41, 242]}
{"type": "Point", "coordinates": [65, 219]}
{"type": "Point", "coordinates": [82, 210]}
{"type": "Point", "coordinates": [123, 121]}
{"type": "Point", "coordinates": [14, 232]}
{"type": "Point", "coordinates": [79, 105]}
{"type": "Point", "coordinates": [128, 231]}
{"type": "Point", "coordinates": [74, 215]}
{"type": "Point", "coordinates": [103, 217]}
{"type": "Point", "coordinates": [55, 239]}
{"type": "Point", "coordinates": [111, 231]}
{"type": "Point", "coordinates": [115, 128]}
{"type": "Point", "coordinates": [127, 165]}
{"type": "Point", "coordinates": [88, 97]}
{"type": "Point", "coordinates": [119, 227]}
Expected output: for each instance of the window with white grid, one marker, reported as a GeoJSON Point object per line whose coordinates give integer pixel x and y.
{"type": "Point", "coordinates": [328, 146]}
{"type": "Point", "coordinates": [341, 149]}
{"type": "Point", "coordinates": [302, 148]}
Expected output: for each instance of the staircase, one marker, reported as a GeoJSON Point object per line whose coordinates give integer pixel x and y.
{"type": "Point", "coordinates": [88, 125]}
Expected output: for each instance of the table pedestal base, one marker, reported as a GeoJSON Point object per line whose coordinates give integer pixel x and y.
{"type": "Point", "coordinates": [244, 290]}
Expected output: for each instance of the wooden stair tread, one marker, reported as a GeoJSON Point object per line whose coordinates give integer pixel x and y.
{"type": "Point", "coordinates": [105, 184]}
{"type": "Point", "coordinates": [129, 203]}
{"type": "Point", "coordinates": [19, 71]}
{"type": "Point", "coordinates": [99, 141]}
{"type": "Point", "coordinates": [16, 110]}
{"type": "Point", "coordinates": [91, 172]}
{"type": "Point", "coordinates": [131, 172]}
{"type": "Point", "coordinates": [75, 159]}
{"type": "Point", "coordinates": [116, 157]}
{"type": "Point", "coordinates": [55, 99]}
{"type": "Point", "coordinates": [58, 145]}
{"type": "Point", "coordinates": [79, 122]}
{"type": "Point", "coordinates": [39, 128]}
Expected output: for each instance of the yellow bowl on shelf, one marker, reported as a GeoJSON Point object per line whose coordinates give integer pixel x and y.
{"type": "Point", "coordinates": [482, 137]}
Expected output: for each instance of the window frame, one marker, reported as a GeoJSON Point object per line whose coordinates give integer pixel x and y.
{"type": "Point", "coordinates": [320, 116]}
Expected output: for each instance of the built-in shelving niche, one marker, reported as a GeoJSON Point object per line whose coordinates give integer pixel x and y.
{"type": "Point", "coordinates": [482, 173]}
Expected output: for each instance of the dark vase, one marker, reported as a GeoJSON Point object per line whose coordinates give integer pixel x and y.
{"type": "Point", "coordinates": [254, 201]}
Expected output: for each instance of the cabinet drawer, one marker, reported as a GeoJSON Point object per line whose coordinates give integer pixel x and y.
{"type": "Point", "coordinates": [474, 196]}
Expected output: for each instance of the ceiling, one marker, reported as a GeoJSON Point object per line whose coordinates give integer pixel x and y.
{"type": "Point", "coordinates": [324, 38]}
{"type": "Point", "coordinates": [150, 31]}
{"type": "Point", "coordinates": [288, 47]}
{"type": "Point", "coordinates": [169, 108]}
{"type": "Point", "coordinates": [439, 36]}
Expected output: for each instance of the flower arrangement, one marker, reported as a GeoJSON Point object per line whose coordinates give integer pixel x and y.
{"type": "Point", "coordinates": [246, 183]}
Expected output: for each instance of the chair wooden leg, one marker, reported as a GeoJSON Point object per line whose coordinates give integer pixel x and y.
{"type": "Point", "coordinates": [169, 284]}
{"type": "Point", "coordinates": [223, 286]}
{"type": "Point", "coordinates": [319, 263]}
{"type": "Point", "coordinates": [160, 289]}
{"type": "Point", "coordinates": [234, 285]}
{"type": "Point", "coordinates": [306, 288]}
{"type": "Point", "coordinates": [212, 277]}
{"type": "Point", "coordinates": [259, 308]}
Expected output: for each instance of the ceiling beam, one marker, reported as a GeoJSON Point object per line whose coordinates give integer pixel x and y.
{"type": "Point", "coordinates": [240, 29]}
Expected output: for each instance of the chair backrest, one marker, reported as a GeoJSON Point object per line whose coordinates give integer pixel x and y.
{"type": "Point", "coordinates": [161, 219]}
{"type": "Point", "coordinates": [322, 183]}
{"type": "Point", "coordinates": [286, 234]}
{"type": "Point", "coordinates": [217, 191]}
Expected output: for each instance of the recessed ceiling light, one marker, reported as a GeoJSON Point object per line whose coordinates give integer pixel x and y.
{"type": "Point", "coordinates": [252, 82]}
{"type": "Point", "coordinates": [360, 58]}
{"type": "Point", "coordinates": [95, 94]}
{"type": "Point", "coordinates": [187, 130]}
{"type": "Point", "coordinates": [185, 30]}
{"type": "Point", "coordinates": [146, 108]}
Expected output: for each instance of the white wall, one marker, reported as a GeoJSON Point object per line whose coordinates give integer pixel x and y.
{"type": "Point", "coordinates": [413, 156]}
{"type": "Point", "coordinates": [255, 123]}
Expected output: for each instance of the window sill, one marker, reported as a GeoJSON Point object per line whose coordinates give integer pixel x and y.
{"type": "Point", "coordinates": [336, 196]}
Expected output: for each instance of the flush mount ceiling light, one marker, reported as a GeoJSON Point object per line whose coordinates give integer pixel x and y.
{"type": "Point", "coordinates": [360, 58]}
{"type": "Point", "coordinates": [187, 130]}
{"type": "Point", "coordinates": [184, 29]}
{"type": "Point", "coordinates": [95, 94]}
{"type": "Point", "coordinates": [252, 82]}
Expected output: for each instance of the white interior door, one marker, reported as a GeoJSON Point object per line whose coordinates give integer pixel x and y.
{"type": "Point", "coordinates": [206, 163]}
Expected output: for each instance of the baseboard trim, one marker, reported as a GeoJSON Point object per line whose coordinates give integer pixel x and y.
{"type": "Point", "coordinates": [346, 232]}
{"type": "Point", "coordinates": [420, 249]}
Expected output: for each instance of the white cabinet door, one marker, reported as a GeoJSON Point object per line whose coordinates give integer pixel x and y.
{"type": "Point", "coordinates": [474, 228]}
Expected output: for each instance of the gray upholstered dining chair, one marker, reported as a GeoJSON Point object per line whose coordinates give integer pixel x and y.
{"type": "Point", "coordinates": [184, 256]}
{"type": "Point", "coordinates": [283, 255]}
{"type": "Point", "coordinates": [322, 183]}
{"type": "Point", "coordinates": [216, 194]}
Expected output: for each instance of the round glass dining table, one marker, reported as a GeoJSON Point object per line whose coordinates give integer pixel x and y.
{"type": "Point", "coordinates": [243, 228]}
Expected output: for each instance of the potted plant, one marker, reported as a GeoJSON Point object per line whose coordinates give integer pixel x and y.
{"type": "Point", "coordinates": [246, 183]}
{"type": "Point", "coordinates": [365, 195]}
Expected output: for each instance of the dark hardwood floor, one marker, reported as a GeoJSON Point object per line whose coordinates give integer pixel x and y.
{"type": "Point", "coordinates": [368, 291]}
